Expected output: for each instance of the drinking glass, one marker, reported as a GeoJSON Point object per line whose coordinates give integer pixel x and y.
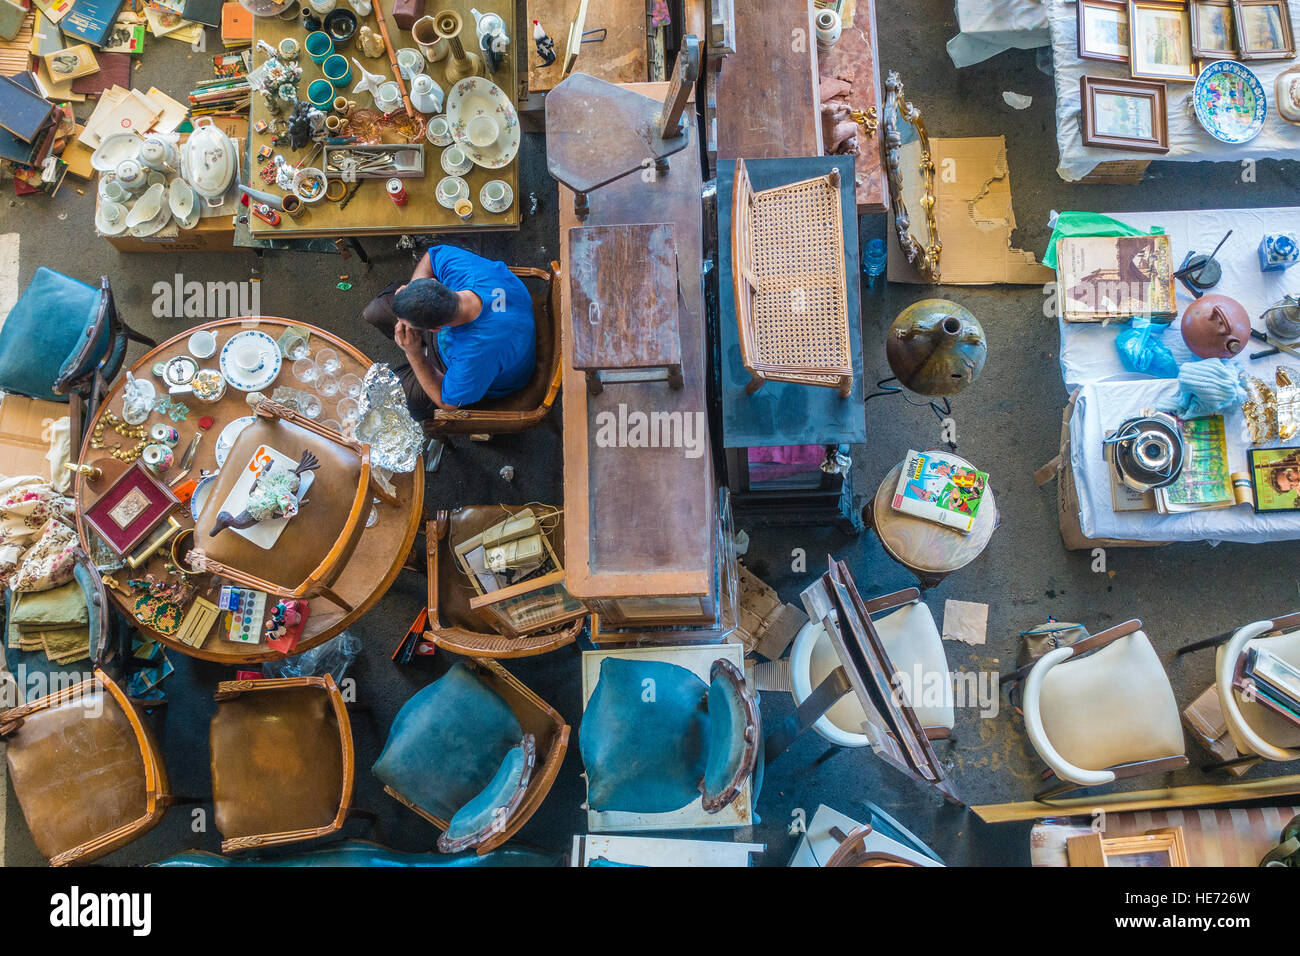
{"type": "Point", "coordinates": [348, 410]}
{"type": "Point", "coordinates": [327, 383]}
{"type": "Point", "coordinates": [351, 385]}
{"type": "Point", "coordinates": [311, 406]}
{"type": "Point", "coordinates": [305, 370]}
{"type": "Point", "coordinates": [328, 360]}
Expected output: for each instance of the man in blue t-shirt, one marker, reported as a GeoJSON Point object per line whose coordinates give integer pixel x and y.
{"type": "Point", "coordinates": [466, 326]}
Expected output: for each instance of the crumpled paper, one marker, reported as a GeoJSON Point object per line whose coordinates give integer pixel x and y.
{"type": "Point", "coordinates": [395, 438]}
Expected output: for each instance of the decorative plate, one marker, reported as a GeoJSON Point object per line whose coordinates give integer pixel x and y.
{"type": "Point", "coordinates": [1286, 94]}
{"type": "Point", "coordinates": [113, 150]}
{"type": "Point", "coordinates": [227, 438]}
{"type": "Point", "coordinates": [264, 374]}
{"type": "Point", "coordinates": [1229, 102]}
{"type": "Point", "coordinates": [475, 96]}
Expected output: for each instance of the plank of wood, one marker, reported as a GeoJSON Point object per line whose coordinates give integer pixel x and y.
{"type": "Point", "coordinates": [767, 91]}
{"type": "Point", "coordinates": [619, 58]}
{"type": "Point", "coordinates": [853, 58]}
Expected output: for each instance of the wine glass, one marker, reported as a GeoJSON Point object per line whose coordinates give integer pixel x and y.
{"type": "Point", "coordinates": [348, 410]}
{"type": "Point", "coordinates": [328, 360]}
{"type": "Point", "coordinates": [351, 385]}
{"type": "Point", "coordinates": [327, 383]}
{"type": "Point", "coordinates": [305, 370]}
{"type": "Point", "coordinates": [311, 406]}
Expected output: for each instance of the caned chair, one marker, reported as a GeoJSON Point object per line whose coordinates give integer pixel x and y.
{"type": "Point", "coordinates": [453, 624]}
{"type": "Point", "coordinates": [1102, 709]}
{"type": "Point", "coordinates": [64, 341]}
{"type": "Point", "coordinates": [525, 408]}
{"type": "Point", "coordinates": [315, 545]}
{"type": "Point", "coordinates": [475, 753]}
{"type": "Point", "coordinates": [1258, 732]}
{"type": "Point", "coordinates": [282, 761]}
{"type": "Point", "coordinates": [86, 770]}
{"type": "Point", "coordinates": [787, 248]}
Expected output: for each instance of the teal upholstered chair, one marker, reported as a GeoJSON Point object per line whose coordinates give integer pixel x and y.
{"type": "Point", "coordinates": [365, 853]}
{"type": "Point", "coordinates": [474, 753]}
{"type": "Point", "coordinates": [64, 341]}
{"type": "Point", "coordinates": [655, 753]}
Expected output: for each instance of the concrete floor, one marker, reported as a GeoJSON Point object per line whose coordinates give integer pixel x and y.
{"type": "Point", "coordinates": [1008, 423]}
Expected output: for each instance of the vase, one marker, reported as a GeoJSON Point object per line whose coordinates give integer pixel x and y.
{"type": "Point", "coordinates": [936, 347]}
{"type": "Point", "coordinates": [460, 62]}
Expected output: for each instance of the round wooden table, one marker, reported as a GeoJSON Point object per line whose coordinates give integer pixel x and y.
{"type": "Point", "coordinates": [928, 550]}
{"type": "Point", "coordinates": [379, 554]}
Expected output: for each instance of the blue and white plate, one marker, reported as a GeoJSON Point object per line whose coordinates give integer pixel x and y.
{"type": "Point", "coordinates": [1230, 102]}
{"type": "Point", "coordinates": [263, 373]}
{"type": "Point", "coordinates": [226, 440]}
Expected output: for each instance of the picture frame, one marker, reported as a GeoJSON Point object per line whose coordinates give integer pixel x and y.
{"type": "Point", "coordinates": [1214, 29]}
{"type": "Point", "coordinates": [130, 509]}
{"type": "Point", "coordinates": [1275, 479]}
{"type": "Point", "coordinates": [1264, 30]}
{"type": "Point", "coordinates": [1103, 30]}
{"type": "Point", "coordinates": [1160, 42]}
{"type": "Point", "coordinates": [1123, 114]}
{"type": "Point", "coordinates": [1155, 848]}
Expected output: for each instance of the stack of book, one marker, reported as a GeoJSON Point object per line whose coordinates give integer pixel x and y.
{"type": "Point", "coordinates": [1267, 679]}
{"type": "Point", "coordinates": [229, 95]}
{"type": "Point", "coordinates": [29, 123]}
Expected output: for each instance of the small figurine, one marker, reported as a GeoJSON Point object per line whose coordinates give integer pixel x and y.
{"type": "Point", "coordinates": [371, 43]}
{"type": "Point", "coordinates": [272, 496]}
{"type": "Point", "coordinates": [300, 125]}
{"type": "Point", "coordinates": [545, 45]}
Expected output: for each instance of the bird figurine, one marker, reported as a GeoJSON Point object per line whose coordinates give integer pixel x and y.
{"type": "Point", "coordinates": [273, 495]}
{"type": "Point", "coordinates": [545, 45]}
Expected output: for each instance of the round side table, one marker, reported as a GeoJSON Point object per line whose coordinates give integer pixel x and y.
{"type": "Point", "coordinates": [928, 550]}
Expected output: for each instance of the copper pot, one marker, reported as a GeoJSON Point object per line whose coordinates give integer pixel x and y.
{"type": "Point", "coordinates": [1215, 326]}
{"type": "Point", "coordinates": [936, 347]}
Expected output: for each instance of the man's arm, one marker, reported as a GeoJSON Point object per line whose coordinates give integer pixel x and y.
{"type": "Point", "coordinates": [430, 378]}
{"type": "Point", "coordinates": [424, 269]}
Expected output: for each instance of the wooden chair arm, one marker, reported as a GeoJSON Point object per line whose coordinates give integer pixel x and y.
{"type": "Point", "coordinates": [1101, 639]}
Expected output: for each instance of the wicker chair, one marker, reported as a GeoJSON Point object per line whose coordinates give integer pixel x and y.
{"type": "Point", "coordinates": [452, 623]}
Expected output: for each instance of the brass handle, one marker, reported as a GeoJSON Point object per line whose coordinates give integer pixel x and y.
{"type": "Point", "coordinates": [90, 471]}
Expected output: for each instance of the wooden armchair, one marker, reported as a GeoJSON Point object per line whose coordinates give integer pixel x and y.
{"type": "Point", "coordinates": [852, 851]}
{"type": "Point", "coordinates": [282, 761]}
{"type": "Point", "coordinates": [316, 545]}
{"type": "Point", "coordinates": [86, 770]}
{"type": "Point", "coordinates": [1105, 716]}
{"type": "Point", "coordinates": [527, 407]}
{"type": "Point", "coordinates": [1258, 732]}
{"type": "Point", "coordinates": [453, 624]}
{"type": "Point", "coordinates": [475, 753]}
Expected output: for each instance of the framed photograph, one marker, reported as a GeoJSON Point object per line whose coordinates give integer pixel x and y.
{"type": "Point", "coordinates": [132, 507]}
{"type": "Point", "coordinates": [1160, 41]}
{"type": "Point", "coordinates": [1123, 114]}
{"type": "Point", "coordinates": [1103, 30]}
{"type": "Point", "coordinates": [1275, 478]}
{"type": "Point", "coordinates": [1264, 29]}
{"type": "Point", "coordinates": [1214, 30]}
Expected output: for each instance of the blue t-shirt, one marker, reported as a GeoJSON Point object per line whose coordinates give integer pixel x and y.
{"type": "Point", "coordinates": [496, 353]}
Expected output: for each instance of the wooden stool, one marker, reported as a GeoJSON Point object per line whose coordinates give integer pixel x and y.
{"type": "Point", "coordinates": [624, 300]}
{"type": "Point", "coordinates": [928, 550]}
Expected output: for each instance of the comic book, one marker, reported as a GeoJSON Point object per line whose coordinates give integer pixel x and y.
{"type": "Point", "coordinates": [937, 488]}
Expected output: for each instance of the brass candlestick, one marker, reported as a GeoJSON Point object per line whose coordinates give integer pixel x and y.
{"type": "Point", "coordinates": [460, 63]}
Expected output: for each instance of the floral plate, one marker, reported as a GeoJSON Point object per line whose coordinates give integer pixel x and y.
{"type": "Point", "coordinates": [1229, 102]}
{"type": "Point", "coordinates": [475, 96]}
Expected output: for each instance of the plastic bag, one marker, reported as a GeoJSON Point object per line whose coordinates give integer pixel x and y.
{"type": "Point", "coordinates": [334, 657]}
{"type": "Point", "coordinates": [1141, 349]}
{"type": "Point", "coordinates": [1072, 223]}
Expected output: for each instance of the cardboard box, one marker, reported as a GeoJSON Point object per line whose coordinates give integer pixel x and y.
{"type": "Point", "coordinates": [25, 434]}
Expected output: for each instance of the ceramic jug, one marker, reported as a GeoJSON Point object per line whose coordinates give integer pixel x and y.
{"type": "Point", "coordinates": [936, 347]}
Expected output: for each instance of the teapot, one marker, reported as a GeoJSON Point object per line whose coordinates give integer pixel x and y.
{"type": "Point", "coordinates": [1282, 318]}
{"type": "Point", "coordinates": [157, 153]}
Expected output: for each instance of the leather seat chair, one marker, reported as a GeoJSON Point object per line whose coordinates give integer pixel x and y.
{"type": "Point", "coordinates": [317, 544]}
{"type": "Point", "coordinates": [86, 770]}
{"type": "Point", "coordinates": [64, 341]}
{"type": "Point", "coordinates": [453, 624]}
{"type": "Point", "coordinates": [367, 854]}
{"type": "Point", "coordinates": [525, 408]}
{"type": "Point", "coordinates": [1104, 716]}
{"type": "Point", "coordinates": [692, 740]}
{"type": "Point", "coordinates": [474, 753]}
{"type": "Point", "coordinates": [282, 761]}
{"type": "Point", "coordinates": [1258, 732]}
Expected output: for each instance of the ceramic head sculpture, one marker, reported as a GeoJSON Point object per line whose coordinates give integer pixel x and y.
{"type": "Point", "coordinates": [1215, 326]}
{"type": "Point", "coordinates": [936, 347]}
{"type": "Point", "coordinates": [273, 495]}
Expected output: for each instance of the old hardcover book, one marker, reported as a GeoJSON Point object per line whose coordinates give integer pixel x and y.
{"type": "Point", "coordinates": [1100, 278]}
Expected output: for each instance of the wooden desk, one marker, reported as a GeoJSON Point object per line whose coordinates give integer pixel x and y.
{"type": "Point", "coordinates": [641, 522]}
{"type": "Point", "coordinates": [619, 58]}
{"type": "Point", "coordinates": [853, 58]}
{"type": "Point", "coordinates": [379, 554]}
{"type": "Point", "coordinates": [371, 212]}
{"type": "Point", "coordinates": [767, 90]}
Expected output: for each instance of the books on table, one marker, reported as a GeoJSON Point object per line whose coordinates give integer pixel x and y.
{"type": "Point", "coordinates": [1105, 278]}
{"type": "Point", "coordinates": [941, 489]}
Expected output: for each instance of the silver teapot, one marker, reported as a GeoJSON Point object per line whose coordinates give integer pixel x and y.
{"type": "Point", "coordinates": [1282, 318]}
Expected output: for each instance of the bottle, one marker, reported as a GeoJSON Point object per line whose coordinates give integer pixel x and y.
{"type": "Point", "coordinates": [874, 258]}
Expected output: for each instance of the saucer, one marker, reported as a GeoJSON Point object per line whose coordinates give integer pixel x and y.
{"type": "Point", "coordinates": [155, 225]}
{"type": "Point", "coordinates": [444, 140]}
{"type": "Point", "coordinates": [498, 207]}
{"type": "Point", "coordinates": [106, 228]}
{"type": "Point", "coordinates": [228, 435]}
{"type": "Point", "coordinates": [462, 192]}
{"type": "Point", "coordinates": [260, 377]}
{"type": "Point", "coordinates": [451, 170]}
{"type": "Point", "coordinates": [475, 96]}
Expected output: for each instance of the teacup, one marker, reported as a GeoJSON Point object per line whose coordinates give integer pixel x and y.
{"type": "Point", "coordinates": [482, 131]}
{"type": "Point", "coordinates": [202, 344]}
{"type": "Point", "coordinates": [465, 210]}
{"type": "Point", "coordinates": [389, 96]}
{"type": "Point", "coordinates": [249, 359]}
{"type": "Point", "coordinates": [494, 193]}
{"type": "Point", "coordinates": [113, 191]}
{"type": "Point", "coordinates": [455, 162]}
{"type": "Point", "coordinates": [449, 190]}
{"type": "Point", "coordinates": [410, 61]}
{"type": "Point", "coordinates": [438, 131]}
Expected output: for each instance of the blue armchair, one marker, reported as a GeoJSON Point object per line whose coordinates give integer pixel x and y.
{"type": "Point", "coordinates": [64, 341]}
{"type": "Point", "coordinates": [474, 753]}
{"type": "Point", "coordinates": [655, 747]}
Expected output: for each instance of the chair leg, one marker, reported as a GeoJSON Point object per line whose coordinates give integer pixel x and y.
{"type": "Point", "coordinates": [329, 595]}
{"type": "Point", "coordinates": [1201, 645]}
{"type": "Point", "coordinates": [359, 814]}
{"type": "Point", "coordinates": [1063, 786]}
{"type": "Point", "coordinates": [135, 336]}
{"type": "Point", "coordinates": [172, 800]}
{"type": "Point", "coordinates": [1251, 759]}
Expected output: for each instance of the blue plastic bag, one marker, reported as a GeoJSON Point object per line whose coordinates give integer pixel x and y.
{"type": "Point", "coordinates": [1142, 350]}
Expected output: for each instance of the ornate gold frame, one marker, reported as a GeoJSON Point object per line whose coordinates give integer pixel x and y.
{"type": "Point", "coordinates": [924, 257]}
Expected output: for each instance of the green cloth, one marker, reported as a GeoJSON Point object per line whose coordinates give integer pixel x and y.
{"type": "Point", "coordinates": [1089, 224]}
{"type": "Point", "coordinates": [64, 606]}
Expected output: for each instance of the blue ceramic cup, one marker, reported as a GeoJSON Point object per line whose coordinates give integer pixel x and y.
{"type": "Point", "coordinates": [337, 70]}
{"type": "Point", "coordinates": [321, 94]}
{"type": "Point", "coordinates": [318, 46]}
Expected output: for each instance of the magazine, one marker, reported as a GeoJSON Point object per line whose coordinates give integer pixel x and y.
{"type": "Point", "coordinates": [1205, 481]}
{"type": "Point", "coordinates": [1275, 478]}
{"type": "Point", "coordinates": [939, 488]}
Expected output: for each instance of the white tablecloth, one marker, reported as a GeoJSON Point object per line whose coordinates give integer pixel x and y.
{"type": "Point", "coordinates": [1188, 142]}
{"type": "Point", "coordinates": [990, 26]}
{"type": "Point", "coordinates": [1111, 393]}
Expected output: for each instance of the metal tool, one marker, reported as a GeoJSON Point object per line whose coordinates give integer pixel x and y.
{"type": "Point", "coordinates": [1256, 334]}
